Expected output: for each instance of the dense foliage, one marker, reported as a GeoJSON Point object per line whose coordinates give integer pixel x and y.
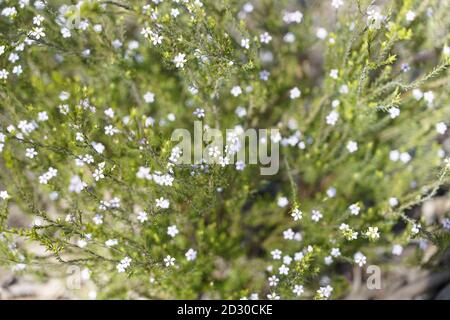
{"type": "Point", "coordinates": [91, 92]}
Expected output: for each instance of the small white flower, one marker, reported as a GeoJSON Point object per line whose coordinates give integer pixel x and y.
{"type": "Point", "coordinates": [110, 130]}
{"type": "Point", "coordinates": [142, 216]}
{"type": "Point", "coordinates": [321, 33]}
{"type": "Point", "coordinates": [245, 43]}
{"type": "Point", "coordinates": [360, 259]}
{"type": "Point", "coordinates": [410, 15]}
{"type": "Point", "coordinates": [4, 195]}
{"type": "Point", "coordinates": [169, 261]}
{"type": "Point", "coordinates": [179, 60]}
{"type": "Point", "coordinates": [283, 270]}
{"type": "Point", "coordinates": [265, 38]}
{"type": "Point", "coordinates": [298, 290]}
{"type": "Point", "coordinates": [332, 118]}
{"type": "Point", "coordinates": [354, 209]}
{"type": "Point", "coordinates": [236, 91]}
{"type": "Point", "coordinates": [415, 229]}
{"type": "Point", "coordinates": [296, 214]}
{"type": "Point", "coordinates": [397, 250]}
{"type": "Point", "coordinates": [372, 233]}
{"type": "Point", "coordinates": [282, 202]}
{"type": "Point", "coordinates": [337, 3]}
{"type": "Point", "coordinates": [273, 281]}
{"type": "Point", "coordinates": [394, 112]}
{"type": "Point", "coordinates": [30, 153]}
{"type": "Point", "coordinates": [352, 146]}
{"type": "Point", "coordinates": [441, 128]}
{"type": "Point", "coordinates": [240, 165]}
{"type": "Point", "coordinates": [316, 215]}
{"type": "Point", "coordinates": [276, 254]}
{"type": "Point", "coordinates": [325, 292]}
{"type": "Point", "coordinates": [172, 230]}
{"type": "Point", "coordinates": [123, 264]}
{"type": "Point", "coordinates": [335, 252]}
{"type": "Point", "coordinates": [111, 242]}
{"type": "Point", "coordinates": [393, 202]}
{"type": "Point", "coordinates": [191, 255]}
{"type": "Point", "coordinates": [273, 296]}
{"type": "Point", "coordinates": [162, 203]}
{"type": "Point", "coordinates": [334, 73]}
{"type": "Point", "coordinates": [149, 97]}
{"type": "Point", "coordinates": [295, 93]}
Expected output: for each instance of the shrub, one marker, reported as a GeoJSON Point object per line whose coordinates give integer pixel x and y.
{"type": "Point", "coordinates": [90, 96]}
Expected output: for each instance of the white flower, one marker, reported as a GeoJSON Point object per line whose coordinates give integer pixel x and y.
{"type": "Point", "coordinates": [405, 157]}
{"type": "Point", "coordinates": [149, 97]}
{"type": "Point", "coordinates": [199, 113]}
{"type": "Point", "coordinates": [37, 33]}
{"type": "Point", "coordinates": [429, 97]}
{"type": "Point", "coordinates": [76, 185]}
{"type": "Point", "coordinates": [335, 252]}
{"type": "Point", "coordinates": [4, 74]}
{"type": "Point", "coordinates": [65, 32]}
{"type": "Point", "coordinates": [295, 93]}
{"type": "Point", "coordinates": [417, 94]}
{"type": "Point", "coordinates": [273, 281]}
{"type": "Point", "coordinates": [265, 37]}
{"type": "Point", "coordinates": [240, 112]}
{"type": "Point", "coordinates": [372, 233]}
{"type": "Point", "coordinates": [415, 228]}
{"type": "Point", "coordinates": [162, 203]}
{"type": "Point", "coordinates": [334, 73]}
{"type": "Point", "coordinates": [273, 296]}
{"type": "Point", "coordinates": [276, 254]}
{"type": "Point", "coordinates": [191, 255]}
{"type": "Point", "coordinates": [123, 264]}
{"type": "Point", "coordinates": [332, 118]}
{"type": "Point", "coordinates": [245, 43]}
{"type": "Point", "coordinates": [288, 234]}
{"type": "Point", "coordinates": [360, 259]}
{"type": "Point", "coordinates": [282, 202]}
{"type": "Point", "coordinates": [354, 209]}
{"type": "Point", "coordinates": [240, 165]}
{"type": "Point", "coordinates": [98, 219]}
{"type": "Point", "coordinates": [283, 270]}
{"type": "Point", "coordinates": [441, 128]}
{"type": "Point", "coordinates": [172, 230]}
{"type": "Point", "coordinates": [410, 15]}
{"type": "Point", "coordinates": [292, 17]}
{"type": "Point", "coordinates": [393, 202]}
{"type": "Point", "coordinates": [4, 195]}
{"type": "Point", "coordinates": [397, 250]}
{"type": "Point", "coordinates": [352, 146]}
{"type": "Point", "coordinates": [298, 290]}
{"type": "Point", "coordinates": [394, 112]}
{"type": "Point", "coordinates": [111, 242]}
{"type": "Point", "coordinates": [110, 130]}
{"type": "Point", "coordinates": [331, 192]}
{"type": "Point", "coordinates": [30, 153]}
{"type": "Point", "coordinates": [236, 91]}
{"type": "Point", "coordinates": [142, 216]}
{"type": "Point", "coordinates": [179, 60]}
{"type": "Point", "coordinates": [321, 33]}
{"type": "Point", "coordinates": [337, 3]}
{"type": "Point", "coordinates": [316, 215]}
{"type": "Point", "coordinates": [174, 12]}
{"type": "Point", "coordinates": [17, 70]}
{"type": "Point", "coordinates": [325, 292]}
{"type": "Point", "coordinates": [169, 261]}
{"type": "Point", "coordinates": [296, 214]}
